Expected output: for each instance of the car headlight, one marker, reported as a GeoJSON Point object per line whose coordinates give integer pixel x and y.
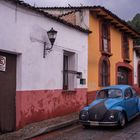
{"type": "Point", "coordinates": [112, 115]}
{"type": "Point", "coordinates": [84, 114]}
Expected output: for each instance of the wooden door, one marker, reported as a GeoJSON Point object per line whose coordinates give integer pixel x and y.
{"type": "Point", "coordinates": [7, 92]}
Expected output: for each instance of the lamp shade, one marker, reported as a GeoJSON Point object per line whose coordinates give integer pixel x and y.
{"type": "Point", "coordinates": [52, 35]}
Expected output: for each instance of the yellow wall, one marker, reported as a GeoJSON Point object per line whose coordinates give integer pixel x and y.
{"type": "Point", "coordinates": [116, 53]}
{"type": "Point", "coordinates": [131, 52]}
{"type": "Point", "coordinates": [94, 53]}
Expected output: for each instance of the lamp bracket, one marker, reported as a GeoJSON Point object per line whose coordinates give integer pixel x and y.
{"type": "Point", "coordinates": [46, 49]}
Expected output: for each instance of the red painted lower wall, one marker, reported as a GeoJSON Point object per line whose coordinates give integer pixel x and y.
{"type": "Point", "coordinates": [33, 106]}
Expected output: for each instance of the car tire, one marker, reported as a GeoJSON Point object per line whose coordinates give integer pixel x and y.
{"type": "Point", "coordinates": [121, 120]}
{"type": "Point", "coordinates": [86, 126]}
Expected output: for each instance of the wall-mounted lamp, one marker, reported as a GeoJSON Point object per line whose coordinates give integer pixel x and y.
{"type": "Point", "coordinates": [52, 36]}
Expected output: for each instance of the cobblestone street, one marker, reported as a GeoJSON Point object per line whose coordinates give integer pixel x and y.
{"type": "Point", "coordinates": [77, 132]}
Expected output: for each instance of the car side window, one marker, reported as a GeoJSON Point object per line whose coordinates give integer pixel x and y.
{"type": "Point", "coordinates": [134, 92]}
{"type": "Point", "coordinates": [128, 93]}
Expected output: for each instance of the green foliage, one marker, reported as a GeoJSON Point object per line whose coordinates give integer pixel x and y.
{"type": "Point", "coordinates": [135, 23]}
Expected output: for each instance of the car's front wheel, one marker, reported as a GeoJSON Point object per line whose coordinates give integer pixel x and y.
{"type": "Point", "coordinates": [122, 120]}
{"type": "Point", "coordinates": [86, 126]}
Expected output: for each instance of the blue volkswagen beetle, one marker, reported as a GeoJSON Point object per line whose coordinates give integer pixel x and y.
{"type": "Point", "coordinates": [114, 106]}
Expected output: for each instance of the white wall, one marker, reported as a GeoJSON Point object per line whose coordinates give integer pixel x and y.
{"type": "Point", "coordinates": [135, 68]}
{"type": "Point", "coordinates": [33, 71]}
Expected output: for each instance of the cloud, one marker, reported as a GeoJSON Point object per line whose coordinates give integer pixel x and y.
{"type": "Point", "coordinates": [126, 9]}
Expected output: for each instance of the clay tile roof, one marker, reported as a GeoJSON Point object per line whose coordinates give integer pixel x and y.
{"type": "Point", "coordinates": [96, 9]}
{"type": "Point", "coordinates": [34, 9]}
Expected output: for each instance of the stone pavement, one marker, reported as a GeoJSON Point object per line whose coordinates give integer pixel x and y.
{"type": "Point", "coordinates": [129, 133]}
{"type": "Point", "coordinates": [38, 128]}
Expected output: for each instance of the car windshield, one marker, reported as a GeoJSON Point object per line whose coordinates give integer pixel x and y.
{"type": "Point", "coordinates": [109, 93]}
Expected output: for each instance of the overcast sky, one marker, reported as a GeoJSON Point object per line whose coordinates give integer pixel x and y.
{"type": "Point", "coordinates": [125, 9]}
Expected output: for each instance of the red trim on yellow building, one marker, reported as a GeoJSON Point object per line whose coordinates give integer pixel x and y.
{"type": "Point", "coordinates": [129, 67]}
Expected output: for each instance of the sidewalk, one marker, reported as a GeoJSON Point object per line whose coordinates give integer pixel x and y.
{"type": "Point", "coordinates": [35, 129]}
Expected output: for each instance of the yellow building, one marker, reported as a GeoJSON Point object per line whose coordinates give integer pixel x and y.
{"type": "Point", "coordinates": [110, 58]}
{"type": "Point", "coordinates": [110, 52]}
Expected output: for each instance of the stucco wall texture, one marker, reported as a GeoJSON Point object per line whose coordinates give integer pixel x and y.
{"type": "Point", "coordinates": [33, 106]}
{"type": "Point", "coordinates": [95, 54]}
{"type": "Point", "coordinates": [39, 81]}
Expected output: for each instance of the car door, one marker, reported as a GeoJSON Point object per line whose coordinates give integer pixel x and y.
{"type": "Point", "coordinates": [130, 103]}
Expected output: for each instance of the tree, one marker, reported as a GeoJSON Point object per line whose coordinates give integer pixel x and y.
{"type": "Point", "coordinates": [135, 23]}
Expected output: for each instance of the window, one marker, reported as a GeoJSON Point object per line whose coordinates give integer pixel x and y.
{"type": "Point", "coordinates": [69, 70]}
{"type": "Point", "coordinates": [104, 74]}
{"type": "Point", "coordinates": [125, 47]}
{"type": "Point", "coordinates": [109, 93]}
{"type": "Point", "coordinates": [134, 92]}
{"type": "Point", "coordinates": [65, 74]}
{"type": "Point", "coordinates": [105, 38]}
{"type": "Point", "coordinates": [128, 93]}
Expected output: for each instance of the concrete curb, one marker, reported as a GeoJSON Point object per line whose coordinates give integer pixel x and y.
{"type": "Point", "coordinates": [42, 127]}
{"type": "Point", "coordinates": [52, 128]}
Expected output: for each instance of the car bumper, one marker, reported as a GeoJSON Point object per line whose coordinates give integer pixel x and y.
{"type": "Point", "coordinates": [96, 123]}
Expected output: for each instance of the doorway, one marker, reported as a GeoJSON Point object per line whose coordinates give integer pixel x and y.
{"type": "Point", "coordinates": [7, 92]}
{"type": "Point", "coordinates": [124, 76]}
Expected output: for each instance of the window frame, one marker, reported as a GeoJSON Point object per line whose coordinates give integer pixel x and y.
{"type": "Point", "coordinates": [101, 74]}
{"type": "Point", "coordinates": [69, 71]}
{"type": "Point", "coordinates": [65, 74]}
{"type": "Point", "coordinates": [125, 48]}
{"type": "Point", "coordinates": [105, 36]}
{"type": "Point", "coordinates": [134, 92]}
{"type": "Point", "coordinates": [125, 92]}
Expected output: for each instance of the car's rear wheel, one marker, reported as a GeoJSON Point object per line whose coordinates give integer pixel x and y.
{"type": "Point", "coordinates": [122, 120]}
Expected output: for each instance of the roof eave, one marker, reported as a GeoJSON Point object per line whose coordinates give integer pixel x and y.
{"type": "Point", "coordinates": [34, 9]}
{"type": "Point", "coordinates": [123, 27]}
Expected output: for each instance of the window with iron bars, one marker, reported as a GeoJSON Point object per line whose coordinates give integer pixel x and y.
{"type": "Point", "coordinates": [125, 47]}
{"type": "Point", "coordinates": [69, 70]}
{"type": "Point", "coordinates": [105, 74]}
{"type": "Point", "coordinates": [105, 38]}
{"type": "Point", "coordinates": [104, 71]}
